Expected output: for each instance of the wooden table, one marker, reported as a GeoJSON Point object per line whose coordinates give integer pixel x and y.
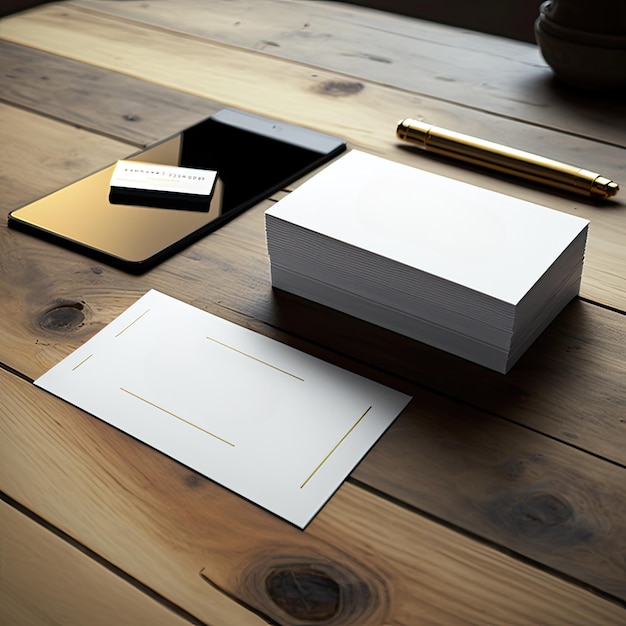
{"type": "Point", "coordinates": [492, 500]}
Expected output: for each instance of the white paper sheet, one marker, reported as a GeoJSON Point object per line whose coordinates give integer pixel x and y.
{"type": "Point", "coordinates": [277, 426]}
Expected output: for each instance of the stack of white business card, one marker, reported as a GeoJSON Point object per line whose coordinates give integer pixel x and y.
{"type": "Point", "coordinates": [467, 270]}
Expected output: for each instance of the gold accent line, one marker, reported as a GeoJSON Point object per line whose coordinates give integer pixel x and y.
{"type": "Point", "coordinates": [335, 448]}
{"type": "Point", "coordinates": [125, 329]}
{"type": "Point", "coordinates": [83, 361]}
{"type": "Point", "coordinates": [182, 419]}
{"type": "Point", "coordinates": [255, 359]}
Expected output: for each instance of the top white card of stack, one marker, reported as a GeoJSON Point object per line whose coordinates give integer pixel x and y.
{"type": "Point", "coordinates": [474, 272]}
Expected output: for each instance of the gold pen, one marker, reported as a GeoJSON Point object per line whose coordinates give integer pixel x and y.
{"type": "Point", "coordinates": [506, 160]}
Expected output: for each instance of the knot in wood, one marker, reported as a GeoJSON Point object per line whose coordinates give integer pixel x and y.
{"type": "Point", "coordinates": [339, 88]}
{"type": "Point", "coordinates": [546, 509]}
{"type": "Point", "coordinates": [63, 318]}
{"type": "Point", "coordinates": [313, 589]}
{"type": "Point", "coordinates": [545, 518]}
{"type": "Point", "coordinates": [304, 593]}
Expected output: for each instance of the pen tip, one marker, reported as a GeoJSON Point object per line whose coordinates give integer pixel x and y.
{"type": "Point", "coordinates": [604, 188]}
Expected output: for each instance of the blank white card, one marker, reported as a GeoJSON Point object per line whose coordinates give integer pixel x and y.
{"type": "Point", "coordinates": [277, 426]}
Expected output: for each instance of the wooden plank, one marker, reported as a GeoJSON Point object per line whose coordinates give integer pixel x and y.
{"type": "Point", "coordinates": [40, 155]}
{"type": "Point", "coordinates": [557, 506]}
{"type": "Point", "coordinates": [492, 74]}
{"type": "Point", "coordinates": [388, 564]}
{"type": "Point", "coordinates": [109, 103]}
{"type": "Point", "coordinates": [514, 19]}
{"type": "Point", "coordinates": [363, 113]}
{"type": "Point", "coordinates": [45, 580]}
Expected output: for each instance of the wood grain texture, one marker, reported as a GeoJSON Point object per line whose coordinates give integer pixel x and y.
{"type": "Point", "coordinates": [108, 103]}
{"type": "Point", "coordinates": [213, 552]}
{"type": "Point", "coordinates": [492, 500]}
{"type": "Point", "coordinates": [63, 315]}
{"type": "Point", "coordinates": [575, 396]}
{"type": "Point", "coordinates": [571, 385]}
{"type": "Point", "coordinates": [40, 155]}
{"type": "Point", "coordinates": [363, 113]}
{"type": "Point", "coordinates": [45, 580]}
{"type": "Point", "coordinates": [557, 506]}
{"type": "Point", "coordinates": [503, 77]}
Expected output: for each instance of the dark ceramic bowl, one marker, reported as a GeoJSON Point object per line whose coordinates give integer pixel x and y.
{"type": "Point", "coordinates": [584, 59]}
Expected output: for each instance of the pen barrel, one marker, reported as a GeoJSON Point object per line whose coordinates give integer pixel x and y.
{"type": "Point", "coordinates": [505, 160]}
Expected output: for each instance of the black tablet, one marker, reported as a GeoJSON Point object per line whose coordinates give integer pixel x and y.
{"type": "Point", "coordinates": [253, 157]}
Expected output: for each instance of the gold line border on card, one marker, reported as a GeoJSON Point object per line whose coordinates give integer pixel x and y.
{"type": "Point", "coordinates": [335, 447]}
{"type": "Point", "coordinates": [255, 358]}
{"type": "Point", "coordinates": [182, 419]}
{"type": "Point", "coordinates": [82, 362]}
{"type": "Point", "coordinates": [133, 322]}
